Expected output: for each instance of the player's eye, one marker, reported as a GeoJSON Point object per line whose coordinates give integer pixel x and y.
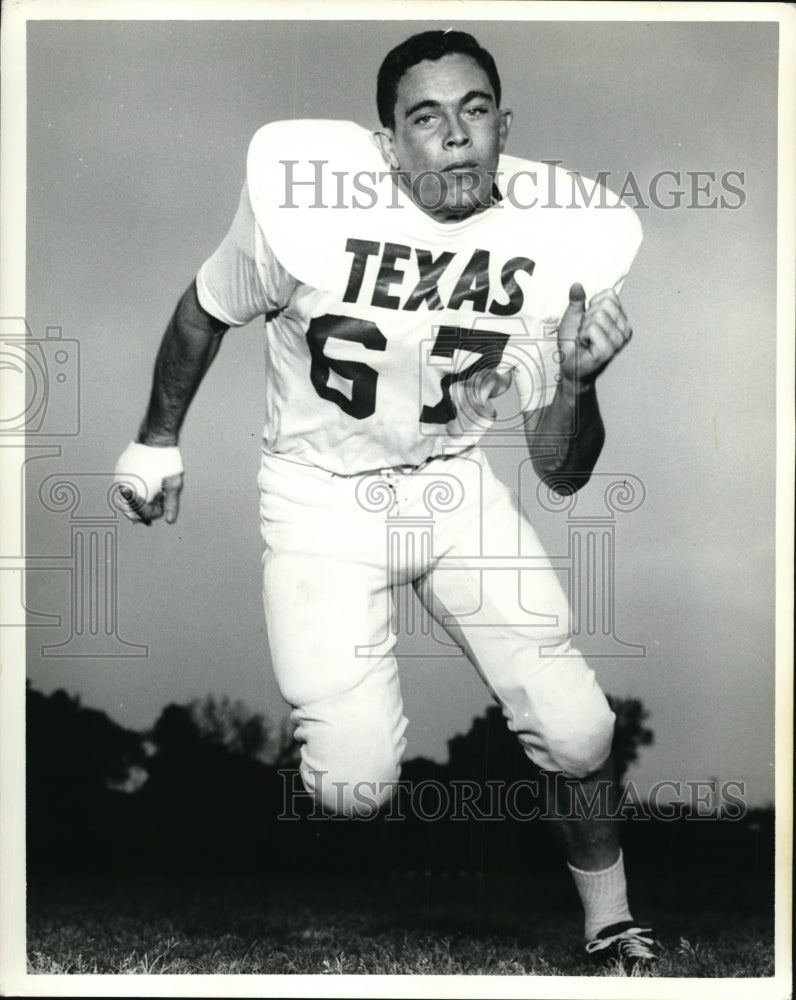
{"type": "Point", "coordinates": [476, 111]}
{"type": "Point", "coordinates": [424, 119]}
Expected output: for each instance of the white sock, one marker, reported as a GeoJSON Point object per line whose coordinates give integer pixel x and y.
{"type": "Point", "coordinates": [603, 894]}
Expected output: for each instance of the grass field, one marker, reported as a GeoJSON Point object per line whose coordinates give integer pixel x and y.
{"type": "Point", "coordinates": [379, 925]}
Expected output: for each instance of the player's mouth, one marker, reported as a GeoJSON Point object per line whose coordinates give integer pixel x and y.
{"type": "Point", "coordinates": [461, 166]}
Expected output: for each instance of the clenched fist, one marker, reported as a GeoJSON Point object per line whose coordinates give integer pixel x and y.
{"type": "Point", "coordinates": [150, 481]}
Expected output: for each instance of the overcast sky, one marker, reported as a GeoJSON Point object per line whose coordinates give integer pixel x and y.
{"type": "Point", "coordinates": [137, 140]}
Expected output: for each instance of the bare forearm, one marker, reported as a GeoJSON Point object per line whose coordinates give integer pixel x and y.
{"type": "Point", "coordinates": [567, 440]}
{"type": "Point", "coordinates": [189, 345]}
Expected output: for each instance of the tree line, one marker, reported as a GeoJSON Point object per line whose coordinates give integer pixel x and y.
{"type": "Point", "coordinates": [213, 788]}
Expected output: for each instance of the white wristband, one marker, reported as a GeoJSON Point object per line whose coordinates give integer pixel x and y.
{"type": "Point", "coordinates": [142, 468]}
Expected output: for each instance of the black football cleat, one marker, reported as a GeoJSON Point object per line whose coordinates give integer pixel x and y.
{"type": "Point", "coordinates": [625, 943]}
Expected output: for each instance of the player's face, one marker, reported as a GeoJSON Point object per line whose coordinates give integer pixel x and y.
{"type": "Point", "coordinates": [447, 137]}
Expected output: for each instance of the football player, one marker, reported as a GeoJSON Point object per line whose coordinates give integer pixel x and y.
{"type": "Point", "coordinates": [406, 278]}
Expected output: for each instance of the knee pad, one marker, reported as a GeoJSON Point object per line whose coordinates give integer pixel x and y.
{"type": "Point", "coordinates": [568, 724]}
{"type": "Point", "coordinates": [583, 746]}
{"type": "Point", "coordinates": [352, 796]}
{"type": "Point", "coordinates": [350, 754]}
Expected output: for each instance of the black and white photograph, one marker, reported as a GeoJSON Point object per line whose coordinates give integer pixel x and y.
{"type": "Point", "coordinates": [397, 503]}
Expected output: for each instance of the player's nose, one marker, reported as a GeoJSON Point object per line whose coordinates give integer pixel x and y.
{"type": "Point", "coordinates": [456, 134]}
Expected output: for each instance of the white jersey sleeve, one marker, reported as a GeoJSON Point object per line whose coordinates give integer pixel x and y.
{"type": "Point", "coordinates": [243, 279]}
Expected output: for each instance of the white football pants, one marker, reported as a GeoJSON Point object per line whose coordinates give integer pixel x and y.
{"type": "Point", "coordinates": [336, 548]}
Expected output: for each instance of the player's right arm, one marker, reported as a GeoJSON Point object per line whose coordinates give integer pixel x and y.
{"type": "Point", "coordinates": [189, 345]}
{"type": "Point", "coordinates": [239, 281]}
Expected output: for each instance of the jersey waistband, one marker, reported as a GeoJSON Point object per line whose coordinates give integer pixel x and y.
{"type": "Point", "coordinates": [405, 470]}
{"type": "Point", "coordinates": [395, 470]}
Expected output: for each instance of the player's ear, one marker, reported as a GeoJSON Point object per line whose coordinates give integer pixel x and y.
{"type": "Point", "coordinates": [385, 140]}
{"type": "Point", "coordinates": [506, 117]}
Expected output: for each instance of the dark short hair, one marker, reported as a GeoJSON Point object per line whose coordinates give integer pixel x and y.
{"type": "Point", "coordinates": [431, 45]}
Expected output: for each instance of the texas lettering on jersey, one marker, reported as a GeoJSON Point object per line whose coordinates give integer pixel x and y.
{"type": "Point", "coordinates": [471, 286]}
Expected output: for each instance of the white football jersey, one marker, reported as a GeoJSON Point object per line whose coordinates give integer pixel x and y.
{"type": "Point", "coordinates": [374, 310]}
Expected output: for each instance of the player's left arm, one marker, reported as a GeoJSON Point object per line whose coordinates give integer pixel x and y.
{"type": "Point", "coordinates": [565, 441]}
